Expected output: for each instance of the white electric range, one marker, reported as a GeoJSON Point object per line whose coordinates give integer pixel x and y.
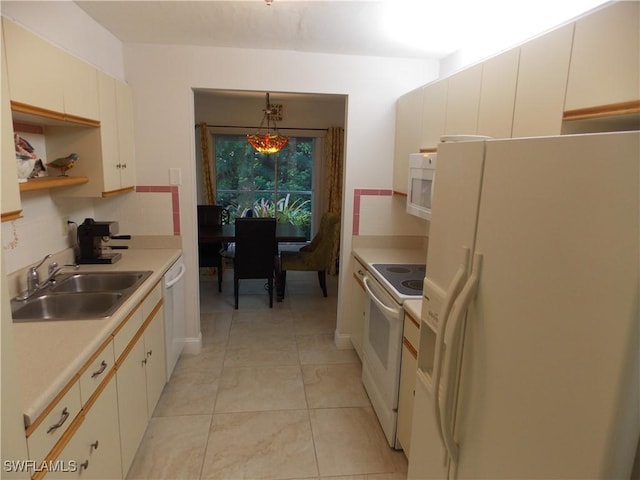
{"type": "Point", "coordinates": [387, 285]}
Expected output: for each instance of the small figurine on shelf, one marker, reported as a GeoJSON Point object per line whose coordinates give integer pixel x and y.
{"type": "Point", "coordinates": [64, 163]}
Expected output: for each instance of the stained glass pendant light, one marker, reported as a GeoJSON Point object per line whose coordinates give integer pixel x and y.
{"type": "Point", "coordinates": [269, 141]}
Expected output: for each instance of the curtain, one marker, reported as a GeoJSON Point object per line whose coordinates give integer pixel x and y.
{"type": "Point", "coordinates": [208, 177]}
{"type": "Point", "coordinates": [334, 159]}
{"type": "Point", "coordinates": [208, 167]}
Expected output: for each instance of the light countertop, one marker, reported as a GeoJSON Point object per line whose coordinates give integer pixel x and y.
{"type": "Point", "coordinates": [414, 308]}
{"type": "Point", "coordinates": [369, 255]}
{"type": "Point", "coordinates": [50, 353]}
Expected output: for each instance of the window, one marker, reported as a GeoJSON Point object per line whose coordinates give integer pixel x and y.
{"type": "Point", "coordinates": [247, 180]}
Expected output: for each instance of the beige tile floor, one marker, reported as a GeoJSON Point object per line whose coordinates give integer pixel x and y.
{"type": "Point", "coordinates": [269, 397]}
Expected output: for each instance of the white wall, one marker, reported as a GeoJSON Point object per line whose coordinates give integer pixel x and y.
{"type": "Point", "coordinates": [162, 79]}
{"type": "Point", "coordinates": [67, 26]}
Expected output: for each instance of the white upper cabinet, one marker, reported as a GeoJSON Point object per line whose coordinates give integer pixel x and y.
{"type": "Point", "coordinates": [116, 125]}
{"type": "Point", "coordinates": [45, 77]}
{"type": "Point", "coordinates": [80, 88]}
{"type": "Point", "coordinates": [11, 204]}
{"type": "Point", "coordinates": [463, 100]}
{"type": "Point", "coordinates": [497, 94]}
{"type": "Point", "coordinates": [126, 146]}
{"type": "Point", "coordinates": [408, 132]}
{"type": "Point", "coordinates": [605, 61]}
{"type": "Point", "coordinates": [434, 112]}
{"type": "Point", "coordinates": [542, 81]}
{"type": "Point", "coordinates": [35, 76]}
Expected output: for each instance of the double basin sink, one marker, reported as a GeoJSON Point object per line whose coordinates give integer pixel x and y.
{"type": "Point", "coordinates": [82, 295]}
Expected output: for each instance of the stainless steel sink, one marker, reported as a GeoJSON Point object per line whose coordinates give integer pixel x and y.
{"type": "Point", "coordinates": [67, 306]}
{"type": "Point", "coordinates": [99, 282]}
{"type": "Point", "coordinates": [85, 295]}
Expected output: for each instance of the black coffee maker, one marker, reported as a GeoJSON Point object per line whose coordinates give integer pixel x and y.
{"type": "Point", "coordinates": [90, 235]}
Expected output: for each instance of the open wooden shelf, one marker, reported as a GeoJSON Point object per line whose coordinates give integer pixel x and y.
{"type": "Point", "coordinates": [42, 183]}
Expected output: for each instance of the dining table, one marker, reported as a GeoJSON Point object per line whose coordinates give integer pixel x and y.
{"type": "Point", "coordinates": [285, 233]}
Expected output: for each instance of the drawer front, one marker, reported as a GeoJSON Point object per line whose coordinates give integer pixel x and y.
{"type": "Point", "coordinates": [151, 301]}
{"type": "Point", "coordinates": [94, 450]}
{"type": "Point", "coordinates": [55, 423]}
{"type": "Point", "coordinates": [358, 270]}
{"type": "Point", "coordinates": [412, 330]}
{"type": "Point", "coordinates": [126, 333]}
{"type": "Point", "coordinates": [97, 370]}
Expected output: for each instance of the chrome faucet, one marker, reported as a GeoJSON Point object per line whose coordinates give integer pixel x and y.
{"type": "Point", "coordinates": [54, 269]}
{"type": "Point", "coordinates": [33, 277]}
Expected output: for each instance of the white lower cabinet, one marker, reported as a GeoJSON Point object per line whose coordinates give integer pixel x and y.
{"type": "Point", "coordinates": [156, 372]}
{"type": "Point", "coordinates": [132, 403]}
{"type": "Point", "coordinates": [408, 367]}
{"type": "Point", "coordinates": [141, 376]}
{"type": "Point", "coordinates": [358, 305]}
{"type": "Point", "coordinates": [94, 450]}
{"type": "Point", "coordinates": [93, 431]}
{"type": "Point", "coordinates": [54, 424]}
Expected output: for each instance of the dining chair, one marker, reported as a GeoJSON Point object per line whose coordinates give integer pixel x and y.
{"type": "Point", "coordinates": [209, 252]}
{"type": "Point", "coordinates": [256, 252]}
{"type": "Point", "coordinates": [316, 256]}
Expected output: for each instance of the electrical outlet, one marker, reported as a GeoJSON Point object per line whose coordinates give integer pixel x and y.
{"type": "Point", "coordinates": [65, 225]}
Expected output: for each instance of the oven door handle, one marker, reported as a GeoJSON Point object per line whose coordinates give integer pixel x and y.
{"type": "Point", "coordinates": [394, 312]}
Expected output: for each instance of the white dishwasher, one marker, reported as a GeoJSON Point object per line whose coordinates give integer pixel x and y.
{"type": "Point", "coordinates": [174, 313]}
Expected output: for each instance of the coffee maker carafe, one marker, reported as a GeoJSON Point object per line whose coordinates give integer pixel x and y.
{"type": "Point", "coordinates": [90, 234]}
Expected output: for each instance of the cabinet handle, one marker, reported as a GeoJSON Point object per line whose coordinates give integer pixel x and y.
{"type": "Point", "coordinates": [118, 165]}
{"type": "Point", "coordinates": [144, 362]}
{"type": "Point", "coordinates": [149, 353]}
{"type": "Point", "coordinates": [103, 367]}
{"type": "Point", "coordinates": [63, 418]}
{"type": "Point", "coordinates": [124, 165]}
{"type": "Point", "coordinates": [84, 465]}
{"type": "Point", "coordinates": [94, 446]}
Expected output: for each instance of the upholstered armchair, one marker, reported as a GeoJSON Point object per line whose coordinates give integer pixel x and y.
{"type": "Point", "coordinates": [316, 256]}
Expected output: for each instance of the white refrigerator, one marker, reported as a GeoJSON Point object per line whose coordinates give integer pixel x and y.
{"type": "Point", "coordinates": [530, 318]}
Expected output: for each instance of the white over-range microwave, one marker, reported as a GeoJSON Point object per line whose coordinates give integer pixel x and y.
{"type": "Point", "coordinates": [422, 172]}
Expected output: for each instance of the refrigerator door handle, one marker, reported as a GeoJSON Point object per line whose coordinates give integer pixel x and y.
{"type": "Point", "coordinates": [452, 293]}
{"type": "Point", "coordinates": [452, 339]}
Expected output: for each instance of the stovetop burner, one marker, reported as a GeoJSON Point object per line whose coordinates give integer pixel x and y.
{"type": "Point", "coordinates": [413, 284]}
{"type": "Point", "coordinates": [406, 279]}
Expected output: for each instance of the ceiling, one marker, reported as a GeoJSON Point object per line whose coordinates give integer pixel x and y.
{"type": "Point", "coordinates": [423, 28]}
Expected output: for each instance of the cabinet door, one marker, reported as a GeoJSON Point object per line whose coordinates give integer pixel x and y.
{"type": "Point", "coordinates": [427, 454]}
{"type": "Point", "coordinates": [109, 132]}
{"type": "Point", "coordinates": [408, 368]}
{"type": "Point", "coordinates": [132, 403]}
{"type": "Point", "coordinates": [155, 357]}
{"type": "Point", "coordinates": [94, 450]}
{"type": "Point", "coordinates": [11, 205]}
{"type": "Point", "coordinates": [408, 130]}
{"type": "Point", "coordinates": [126, 147]}
{"type": "Point", "coordinates": [498, 94]}
{"type": "Point", "coordinates": [605, 60]}
{"type": "Point", "coordinates": [434, 111]}
{"type": "Point", "coordinates": [463, 100]}
{"type": "Point", "coordinates": [80, 87]}
{"type": "Point", "coordinates": [542, 80]}
{"type": "Point", "coordinates": [358, 305]}
{"type": "Point", "coordinates": [35, 76]}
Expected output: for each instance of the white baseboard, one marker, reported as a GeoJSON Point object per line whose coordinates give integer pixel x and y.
{"type": "Point", "coordinates": [342, 340]}
{"type": "Point", "coordinates": [193, 345]}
